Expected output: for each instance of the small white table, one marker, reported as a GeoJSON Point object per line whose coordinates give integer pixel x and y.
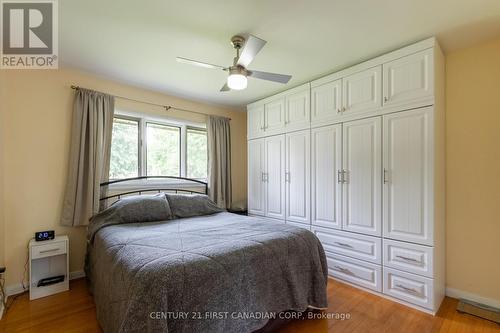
{"type": "Point", "coordinates": [47, 259]}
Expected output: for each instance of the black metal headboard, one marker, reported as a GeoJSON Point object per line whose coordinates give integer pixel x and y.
{"type": "Point", "coordinates": [188, 185]}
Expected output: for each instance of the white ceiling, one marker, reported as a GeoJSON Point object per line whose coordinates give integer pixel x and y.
{"type": "Point", "coordinates": [137, 41]}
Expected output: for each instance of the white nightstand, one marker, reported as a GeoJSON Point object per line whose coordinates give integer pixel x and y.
{"type": "Point", "coordinates": [47, 259]}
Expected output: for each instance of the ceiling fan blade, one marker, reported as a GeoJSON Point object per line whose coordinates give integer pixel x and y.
{"type": "Point", "coordinates": [280, 78]}
{"type": "Point", "coordinates": [225, 87]}
{"type": "Point", "coordinates": [199, 63]}
{"type": "Point", "coordinates": [252, 46]}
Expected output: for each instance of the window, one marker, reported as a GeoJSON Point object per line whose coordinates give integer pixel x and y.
{"type": "Point", "coordinates": [197, 155]}
{"type": "Point", "coordinates": [124, 149]}
{"type": "Point", "coordinates": [152, 147]}
{"type": "Point", "coordinates": [163, 150]}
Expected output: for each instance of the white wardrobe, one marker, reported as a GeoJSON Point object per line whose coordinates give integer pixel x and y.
{"type": "Point", "coordinates": [357, 157]}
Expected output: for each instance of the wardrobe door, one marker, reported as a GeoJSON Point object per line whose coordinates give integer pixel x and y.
{"type": "Point", "coordinates": [256, 177]}
{"type": "Point", "coordinates": [408, 197]}
{"type": "Point", "coordinates": [362, 187]}
{"type": "Point", "coordinates": [275, 176]}
{"type": "Point", "coordinates": [409, 81]}
{"type": "Point", "coordinates": [298, 110]}
{"type": "Point", "coordinates": [326, 103]}
{"type": "Point", "coordinates": [274, 117]}
{"type": "Point", "coordinates": [297, 176]}
{"type": "Point", "coordinates": [326, 192]}
{"type": "Point", "coordinates": [362, 92]}
{"type": "Point", "coordinates": [255, 121]}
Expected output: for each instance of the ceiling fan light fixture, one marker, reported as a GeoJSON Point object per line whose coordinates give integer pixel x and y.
{"type": "Point", "coordinates": [237, 81]}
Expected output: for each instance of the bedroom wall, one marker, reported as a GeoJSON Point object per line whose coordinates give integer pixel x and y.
{"type": "Point", "coordinates": [37, 110]}
{"type": "Point", "coordinates": [473, 165]}
{"type": "Point", "coordinates": [2, 220]}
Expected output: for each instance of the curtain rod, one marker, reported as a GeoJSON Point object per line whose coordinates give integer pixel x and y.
{"type": "Point", "coordinates": [166, 107]}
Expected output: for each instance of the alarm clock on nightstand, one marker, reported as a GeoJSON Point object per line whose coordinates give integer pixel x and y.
{"type": "Point", "coordinates": [44, 235]}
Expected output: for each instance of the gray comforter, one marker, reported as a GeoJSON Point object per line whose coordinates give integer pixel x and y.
{"type": "Point", "coordinates": [215, 273]}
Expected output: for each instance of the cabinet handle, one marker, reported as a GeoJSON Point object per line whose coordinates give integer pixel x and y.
{"type": "Point", "coordinates": [385, 179]}
{"type": "Point", "coordinates": [262, 177]}
{"type": "Point", "coordinates": [343, 244]}
{"type": "Point", "coordinates": [386, 99]}
{"type": "Point", "coordinates": [408, 259]}
{"type": "Point", "coordinates": [50, 250]}
{"type": "Point", "coordinates": [344, 270]}
{"type": "Point", "coordinates": [339, 176]}
{"type": "Point", "coordinates": [287, 177]}
{"type": "Point", "coordinates": [266, 177]}
{"type": "Point", "coordinates": [344, 178]}
{"type": "Point", "coordinates": [344, 108]}
{"type": "Point", "coordinates": [411, 290]}
{"type": "Point", "coordinates": [339, 110]}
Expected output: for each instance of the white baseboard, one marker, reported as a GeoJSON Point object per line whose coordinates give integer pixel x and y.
{"type": "Point", "coordinates": [76, 275]}
{"type": "Point", "coordinates": [455, 293]}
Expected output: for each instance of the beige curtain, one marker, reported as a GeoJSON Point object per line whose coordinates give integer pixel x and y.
{"type": "Point", "coordinates": [89, 155]}
{"type": "Point", "coordinates": [219, 161]}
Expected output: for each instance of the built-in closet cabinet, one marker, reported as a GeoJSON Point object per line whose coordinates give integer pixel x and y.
{"type": "Point", "coordinates": [255, 121]}
{"type": "Point", "coordinates": [298, 110]}
{"type": "Point", "coordinates": [353, 96]}
{"type": "Point", "coordinates": [362, 176]}
{"type": "Point", "coordinates": [326, 176]}
{"type": "Point", "coordinates": [274, 176]}
{"type": "Point", "coordinates": [256, 177]}
{"type": "Point", "coordinates": [409, 80]}
{"type": "Point", "coordinates": [362, 92]}
{"type": "Point", "coordinates": [326, 102]}
{"type": "Point", "coordinates": [266, 177]}
{"type": "Point", "coordinates": [297, 176]}
{"type": "Point", "coordinates": [274, 117]}
{"type": "Point", "coordinates": [286, 112]}
{"type": "Point", "coordinates": [408, 174]}
{"type": "Point", "coordinates": [357, 157]}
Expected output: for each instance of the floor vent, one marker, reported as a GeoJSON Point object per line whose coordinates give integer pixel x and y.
{"type": "Point", "coordinates": [479, 310]}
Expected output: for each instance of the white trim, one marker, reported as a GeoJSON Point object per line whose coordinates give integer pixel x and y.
{"type": "Point", "coordinates": [159, 119]}
{"type": "Point", "coordinates": [455, 293]}
{"type": "Point", "coordinates": [76, 275]}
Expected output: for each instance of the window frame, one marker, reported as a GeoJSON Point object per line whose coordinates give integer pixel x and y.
{"type": "Point", "coordinates": [143, 120]}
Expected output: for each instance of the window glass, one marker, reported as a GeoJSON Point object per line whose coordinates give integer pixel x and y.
{"type": "Point", "coordinates": [163, 150]}
{"type": "Point", "coordinates": [124, 161]}
{"type": "Point", "coordinates": [197, 156]}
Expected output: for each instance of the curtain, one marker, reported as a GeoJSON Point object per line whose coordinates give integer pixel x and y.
{"type": "Point", "coordinates": [89, 155]}
{"type": "Point", "coordinates": [219, 161]}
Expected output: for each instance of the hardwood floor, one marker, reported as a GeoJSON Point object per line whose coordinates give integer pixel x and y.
{"type": "Point", "coordinates": [74, 311]}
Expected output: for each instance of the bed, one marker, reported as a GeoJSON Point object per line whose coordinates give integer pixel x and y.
{"type": "Point", "coordinates": [152, 271]}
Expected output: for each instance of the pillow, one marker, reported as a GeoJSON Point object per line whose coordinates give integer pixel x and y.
{"type": "Point", "coordinates": [188, 205]}
{"type": "Point", "coordinates": [132, 209]}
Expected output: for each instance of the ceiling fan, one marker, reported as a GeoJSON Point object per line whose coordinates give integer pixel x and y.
{"type": "Point", "coordinates": [238, 72]}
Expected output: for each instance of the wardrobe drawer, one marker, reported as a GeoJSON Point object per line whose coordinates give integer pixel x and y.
{"type": "Point", "coordinates": [408, 257]}
{"type": "Point", "coordinates": [408, 287]}
{"type": "Point", "coordinates": [355, 271]}
{"type": "Point", "coordinates": [350, 244]}
{"type": "Point", "coordinates": [48, 250]}
{"type": "Point", "coordinates": [300, 225]}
